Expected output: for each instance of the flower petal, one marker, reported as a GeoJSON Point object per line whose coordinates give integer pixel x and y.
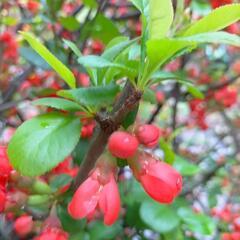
{"type": "Point", "coordinates": [109, 202]}
{"type": "Point", "coordinates": [85, 199]}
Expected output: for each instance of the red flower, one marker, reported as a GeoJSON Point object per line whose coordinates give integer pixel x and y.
{"type": "Point", "coordinates": [53, 233]}
{"type": "Point", "coordinates": [98, 191]}
{"type": "Point", "coordinates": [148, 135]}
{"type": "Point", "coordinates": [218, 3]}
{"type": "Point", "coordinates": [160, 180]}
{"type": "Point", "coordinates": [23, 225]}
{"type": "Point", "coordinates": [226, 96]}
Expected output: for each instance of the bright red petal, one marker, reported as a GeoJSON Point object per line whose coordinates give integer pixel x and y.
{"type": "Point", "coordinates": [85, 199]}
{"type": "Point", "coordinates": [157, 189]}
{"type": "Point", "coordinates": [109, 202]}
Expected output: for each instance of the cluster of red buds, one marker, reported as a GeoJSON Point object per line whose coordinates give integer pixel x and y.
{"type": "Point", "coordinates": [229, 214]}
{"type": "Point", "coordinates": [98, 194]}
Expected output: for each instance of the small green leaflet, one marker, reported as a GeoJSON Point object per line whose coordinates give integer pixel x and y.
{"type": "Point", "coordinates": [218, 19]}
{"type": "Point", "coordinates": [57, 65]}
{"type": "Point", "coordinates": [43, 142]}
{"type": "Point", "coordinates": [58, 103]}
{"type": "Point", "coordinates": [92, 72]}
{"type": "Point", "coordinates": [161, 18]}
{"type": "Point", "coordinates": [215, 37]}
{"type": "Point", "coordinates": [92, 96]}
{"type": "Point", "coordinates": [162, 50]}
{"type": "Point", "coordinates": [169, 155]}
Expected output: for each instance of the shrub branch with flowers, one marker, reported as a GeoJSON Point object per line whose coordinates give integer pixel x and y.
{"type": "Point", "coordinates": [98, 100]}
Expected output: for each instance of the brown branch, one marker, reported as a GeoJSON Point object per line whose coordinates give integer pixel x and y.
{"type": "Point", "coordinates": [155, 113]}
{"type": "Point", "coordinates": [107, 124]}
{"type": "Point", "coordinates": [224, 84]}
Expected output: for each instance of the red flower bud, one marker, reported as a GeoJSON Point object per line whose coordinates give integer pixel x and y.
{"type": "Point", "coordinates": [160, 180]}
{"type": "Point", "coordinates": [23, 225]}
{"type": "Point", "coordinates": [53, 234]}
{"type": "Point", "coordinates": [122, 144]}
{"type": "Point", "coordinates": [148, 135]}
{"type": "Point", "coordinates": [97, 191]}
{"type": "Point", "coordinates": [218, 3]}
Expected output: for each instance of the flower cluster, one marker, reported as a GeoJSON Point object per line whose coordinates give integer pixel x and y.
{"type": "Point", "coordinates": [99, 193]}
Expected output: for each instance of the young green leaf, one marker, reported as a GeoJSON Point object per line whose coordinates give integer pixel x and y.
{"type": "Point", "coordinates": [57, 65]}
{"type": "Point", "coordinates": [161, 17]}
{"type": "Point", "coordinates": [92, 72]}
{"type": "Point", "coordinates": [70, 23]}
{"type": "Point", "coordinates": [162, 50]}
{"type": "Point", "coordinates": [169, 155]}
{"type": "Point", "coordinates": [43, 142]}
{"type": "Point", "coordinates": [58, 103]}
{"type": "Point", "coordinates": [218, 19]}
{"type": "Point", "coordinates": [215, 37]}
{"type": "Point", "coordinates": [92, 96]}
{"type": "Point", "coordinates": [73, 47]}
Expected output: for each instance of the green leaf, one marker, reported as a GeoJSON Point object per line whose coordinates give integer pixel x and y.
{"type": "Point", "coordinates": [193, 90]}
{"type": "Point", "coordinates": [33, 58]}
{"type": "Point", "coordinates": [90, 3]}
{"type": "Point", "coordinates": [99, 62]}
{"type": "Point", "coordinates": [57, 65]}
{"type": "Point", "coordinates": [43, 142]}
{"type": "Point", "coordinates": [73, 47]}
{"type": "Point", "coordinates": [60, 181]}
{"type": "Point", "coordinates": [99, 231]}
{"type": "Point", "coordinates": [197, 222]}
{"type": "Point", "coordinates": [70, 23]}
{"type": "Point", "coordinates": [97, 29]}
{"type": "Point", "coordinates": [94, 61]}
{"type": "Point", "coordinates": [161, 51]}
{"type": "Point", "coordinates": [160, 218]}
{"type": "Point", "coordinates": [68, 223]}
{"type": "Point", "coordinates": [9, 21]}
{"type": "Point", "coordinates": [215, 37]}
{"type": "Point", "coordinates": [149, 96]}
{"type": "Point", "coordinates": [138, 4]}
{"type": "Point", "coordinates": [162, 76]}
{"type": "Point", "coordinates": [92, 96]}
{"type": "Point", "coordinates": [54, 5]}
{"type": "Point", "coordinates": [161, 18]}
{"type": "Point", "coordinates": [115, 41]}
{"type": "Point", "coordinates": [169, 155]}
{"type": "Point", "coordinates": [218, 19]}
{"type": "Point", "coordinates": [58, 103]}
{"type": "Point", "coordinates": [92, 72]}
{"type": "Point", "coordinates": [113, 51]}
{"type": "Point", "coordinates": [185, 167]}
